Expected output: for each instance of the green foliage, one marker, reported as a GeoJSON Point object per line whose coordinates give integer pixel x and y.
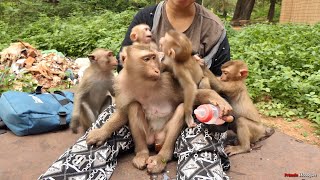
{"type": "Point", "coordinates": [284, 68]}
{"type": "Point", "coordinates": [76, 35]}
{"type": "Point", "coordinates": [25, 12]}
{"type": "Point", "coordinates": [10, 81]}
{"type": "Point", "coordinates": [283, 60]}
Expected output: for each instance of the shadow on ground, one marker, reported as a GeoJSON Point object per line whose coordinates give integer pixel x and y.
{"type": "Point", "coordinates": [29, 156]}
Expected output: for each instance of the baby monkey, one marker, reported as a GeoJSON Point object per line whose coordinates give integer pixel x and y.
{"type": "Point", "coordinates": [91, 95]}
{"type": "Point", "coordinates": [248, 126]}
{"type": "Point", "coordinates": [178, 59]}
{"type": "Point", "coordinates": [141, 33]}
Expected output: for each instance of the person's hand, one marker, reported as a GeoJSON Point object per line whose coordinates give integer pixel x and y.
{"type": "Point", "coordinates": [228, 118]}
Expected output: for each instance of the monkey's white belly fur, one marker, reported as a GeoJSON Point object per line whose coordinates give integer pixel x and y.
{"type": "Point", "coordinates": [158, 113]}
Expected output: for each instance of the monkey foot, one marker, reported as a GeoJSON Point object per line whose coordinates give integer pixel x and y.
{"type": "Point", "coordinates": [233, 150]}
{"type": "Point", "coordinates": [269, 131]}
{"type": "Point", "coordinates": [190, 121]}
{"type": "Point", "coordinates": [156, 164]}
{"type": "Point", "coordinates": [140, 160]}
{"type": "Point", "coordinates": [97, 137]}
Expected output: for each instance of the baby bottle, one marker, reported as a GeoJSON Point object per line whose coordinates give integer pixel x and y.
{"type": "Point", "coordinates": [208, 114]}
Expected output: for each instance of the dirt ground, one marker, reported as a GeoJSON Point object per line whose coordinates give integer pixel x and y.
{"type": "Point", "coordinates": [301, 129]}
{"type": "Point", "coordinates": [27, 157]}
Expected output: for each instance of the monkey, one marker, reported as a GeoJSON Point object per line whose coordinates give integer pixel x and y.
{"type": "Point", "coordinates": [91, 95]}
{"type": "Point", "coordinates": [177, 48]}
{"type": "Point", "coordinates": [152, 103]}
{"type": "Point", "coordinates": [141, 33]}
{"type": "Point", "coordinates": [248, 126]}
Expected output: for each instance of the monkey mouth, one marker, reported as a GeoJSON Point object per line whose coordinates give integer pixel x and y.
{"type": "Point", "coordinates": [148, 38]}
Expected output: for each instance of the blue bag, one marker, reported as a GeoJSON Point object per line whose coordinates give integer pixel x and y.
{"type": "Point", "coordinates": [34, 113]}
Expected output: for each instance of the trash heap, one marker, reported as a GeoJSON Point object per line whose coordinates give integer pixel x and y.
{"type": "Point", "coordinates": [49, 68]}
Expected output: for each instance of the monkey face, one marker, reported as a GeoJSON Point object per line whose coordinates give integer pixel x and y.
{"type": "Point", "coordinates": [143, 61]}
{"type": "Point", "coordinates": [234, 71]}
{"type": "Point", "coordinates": [152, 63]}
{"type": "Point", "coordinates": [166, 44]}
{"type": "Point", "coordinates": [104, 59]}
{"type": "Point", "coordinates": [224, 75]}
{"type": "Point", "coordinates": [141, 33]}
{"type": "Point", "coordinates": [146, 35]}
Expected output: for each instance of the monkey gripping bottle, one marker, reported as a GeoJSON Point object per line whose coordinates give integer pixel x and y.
{"type": "Point", "coordinates": [208, 114]}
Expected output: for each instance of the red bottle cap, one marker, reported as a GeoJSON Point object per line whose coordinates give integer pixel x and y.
{"type": "Point", "coordinates": [204, 113]}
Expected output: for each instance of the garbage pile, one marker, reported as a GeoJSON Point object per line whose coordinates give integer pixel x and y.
{"type": "Point", "coordinates": [49, 68]}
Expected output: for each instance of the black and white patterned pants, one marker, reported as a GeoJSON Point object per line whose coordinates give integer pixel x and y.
{"type": "Point", "coordinates": [200, 155]}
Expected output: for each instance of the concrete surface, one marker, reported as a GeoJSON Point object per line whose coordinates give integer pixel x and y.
{"type": "Point", "coordinates": [25, 158]}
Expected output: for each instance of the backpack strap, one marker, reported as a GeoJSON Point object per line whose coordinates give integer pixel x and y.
{"type": "Point", "coordinates": [156, 16]}
{"type": "Point", "coordinates": [65, 101]}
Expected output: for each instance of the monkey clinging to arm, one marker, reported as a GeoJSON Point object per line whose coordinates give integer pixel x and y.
{"type": "Point", "coordinates": [91, 94]}
{"type": "Point", "coordinates": [248, 126]}
{"type": "Point", "coordinates": [178, 59]}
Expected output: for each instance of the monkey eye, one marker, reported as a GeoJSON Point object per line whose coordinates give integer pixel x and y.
{"type": "Point", "coordinates": [110, 54]}
{"type": "Point", "coordinates": [146, 58]}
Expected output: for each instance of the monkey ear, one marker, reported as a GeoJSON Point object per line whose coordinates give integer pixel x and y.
{"type": "Point", "coordinates": [92, 58]}
{"type": "Point", "coordinates": [122, 57]}
{"type": "Point", "coordinates": [172, 53]}
{"type": "Point", "coordinates": [244, 73]}
{"type": "Point", "coordinates": [133, 37]}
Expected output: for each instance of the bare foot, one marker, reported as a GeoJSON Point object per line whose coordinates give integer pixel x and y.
{"type": "Point", "coordinates": [140, 160]}
{"type": "Point", "coordinates": [156, 164]}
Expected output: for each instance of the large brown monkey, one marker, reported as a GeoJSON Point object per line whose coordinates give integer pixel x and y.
{"type": "Point", "coordinates": [248, 125]}
{"type": "Point", "coordinates": [178, 59]}
{"type": "Point", "coordinates": [151, 101]}
{"type": "Point", "coordinates": [91, 95]}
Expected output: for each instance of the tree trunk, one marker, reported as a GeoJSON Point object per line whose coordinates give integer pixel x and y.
{"type": "Point", "coordinates": [271, 10]}
{"type": "Point", "coordinates": [243, 10]}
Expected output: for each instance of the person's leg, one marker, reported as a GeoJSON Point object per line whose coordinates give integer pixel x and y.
{"type": "Point", "coordinates": [87, 162]}
{"type": "Point", "coordinates": [200, 154]}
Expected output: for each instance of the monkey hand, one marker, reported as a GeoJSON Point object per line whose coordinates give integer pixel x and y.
{"type": "Point", "coordinates": [224, 106]}
{"type": "Point", "coordinates": [97, 137]}
{"type": "Point", "coordinates": [190, 121]}
{"type": "Point", "coordinates": [156, 164]}
{"type": "Point", "coordinates": [200, 61]}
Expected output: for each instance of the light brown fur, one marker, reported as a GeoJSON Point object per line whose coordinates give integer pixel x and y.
{"type": "Point", "coordinates": [91, 95]}
{"type": "Point", "coordinates": [248, 125]}
{"type": "Point", "coordinates": [152, 104]}
{"type": "Point", "coordinates": [141, 33]}
{"type": "Point", "coordinates": [178, 59]}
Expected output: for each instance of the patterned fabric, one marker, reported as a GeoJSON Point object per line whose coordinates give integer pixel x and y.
{"type": "Point", "coordinates": [82, 162]}
{"type": "Point", "coordinates": [200, 155]}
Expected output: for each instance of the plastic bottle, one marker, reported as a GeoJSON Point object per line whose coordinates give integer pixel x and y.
{"type": "Point", "coordinates": [208, 114]}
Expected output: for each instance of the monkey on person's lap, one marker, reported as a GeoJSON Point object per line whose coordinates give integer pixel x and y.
{"type": "Point", "coordinates": [151, 102]}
